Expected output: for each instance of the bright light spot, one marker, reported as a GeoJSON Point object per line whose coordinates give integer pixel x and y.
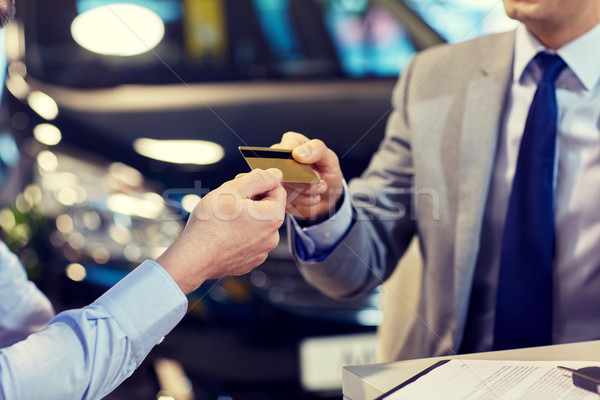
{"type": "Point", "coordinates": [148, 207]}
{"type": "Point", "coordinates": [77, 241]}
{"type": "Point", "coordinates": [154, 198]}
{"type": "Point", "coordinates": [14, 46]}
{"type": "Point", "coordinates": [92, 220]}
{"type": "Point", "coordinates": [80, 193]}
{"type": "Point", "coordinates": [125, 173]}
{"type": "Point", "coordinates": [101, 255]}
{"type": "Point", "coordinates": [47, 134]}
{"type": "Point", "coordinates": [76, 272]}
{"type": "Point", "coordinates": [57, 180]}
{"type": "Point", "coordinates": [47, 161]}
{"type": "Point", "coordinates": [66, 196]}
{"type": "Point", "coordinates": [132, 253]}
{"type": "Point", "coordinates": [157, 251]}
{"type": "Point", "coordinates": [18, 86]}
{"type": "Point", "coordinates": [7, 219]}
{"type": "Point", "coordinates": [171, 228]}
{"type": "Point", "coordinates": [33, 194]}
{"type": "Point", "coordinates": [17, 68]}
{"type": "Point", "coordinates": [189, 201]}
{"type": "Point", "coordinates": [23, 233]}
{"type": "Point", "coordinates": [64, 223]}
{"type": "Point", "coordinates": [198, 152]}
{"type": "Point", "coordinates": [43, 104]}
{"type": "Point", "coordinates": [119, 234]}
{"type": "Point", "coordinates": [118, 29]}
{"type": "Point", "coordinates": [22, 204]}
{"type": "Point", "coordinates": [369, 317]}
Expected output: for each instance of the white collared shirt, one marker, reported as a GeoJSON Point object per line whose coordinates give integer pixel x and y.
{"type": "Point", "coordinates": [577, 190]}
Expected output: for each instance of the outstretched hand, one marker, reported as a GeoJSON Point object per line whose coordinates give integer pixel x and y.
{"type": "Point", "coordinates": [229, 232]}
{"type": "Point", "coordinates": [313, 201]}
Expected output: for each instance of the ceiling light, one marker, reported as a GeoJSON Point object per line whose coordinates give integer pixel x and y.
{"type": "Point", "coordinates": [118, 29]}
{"type": "Point", "coordinates": [199, 152]}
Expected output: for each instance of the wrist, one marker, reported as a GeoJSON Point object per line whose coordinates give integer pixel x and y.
{"type": "Point", "coordinates": [187, 276]}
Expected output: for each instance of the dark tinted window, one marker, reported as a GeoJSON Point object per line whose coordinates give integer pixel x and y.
{"type": "Point", "coordinates": [216, 40]}
{"type": "Point", "coordinates": [213, 40]}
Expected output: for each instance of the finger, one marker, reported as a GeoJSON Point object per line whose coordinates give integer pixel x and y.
{"type": "Point", "coordinates": [278, 194]}
{"type": "Point", "coordinates": [257, 182]}
{"type": "Point", "coordinates": [290, 140]}
{"type": "Point", "coordinates": [301, 198]}
{"type": "Point", "coordinates": [305, 201]}
{"type": "Point", "coordinates": [240, 175]}
{"type": "Point", "coordinates": [310, 152]}
{"type": "Point", "coordinates": [266, 215]}
{"type": "Point", "coordinates": [277, 199]}
{"type": "Point", "coordinates": [306, 189]}
{"type": "Point", "coordinates": [315, 152]}
{"type": "Point", "coordinates": [296, 187]}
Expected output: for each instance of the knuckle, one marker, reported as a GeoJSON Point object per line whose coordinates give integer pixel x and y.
{"type": "Point", "coordinates": [292, 139]}
{"type": "Point", "coordinates": [281, 194]}
{"type": "Point", "coordinates": [332, 156]}
{"type": "Point", "coordinates": [262, 258]}
{"type": "Point", "coordinates": [318, 143]}
{"type": "Point", "coordinates": [290, 135]}
{"type": "Point", "coordinates": [275, 240]}
{"type": "Point", "coordinates": [261, 175]}
{"type": "Point", "coordinates": [226, 187]}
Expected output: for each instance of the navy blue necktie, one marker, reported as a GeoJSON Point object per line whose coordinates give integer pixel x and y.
{"type": "Point", "coordinates": [524, 299]}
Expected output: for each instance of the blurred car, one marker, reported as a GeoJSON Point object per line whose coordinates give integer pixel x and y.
{"type": "Point", "coordinates": [119, 116]}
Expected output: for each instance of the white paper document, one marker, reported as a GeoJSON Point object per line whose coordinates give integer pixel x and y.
{"type": "Point", "coordinates": [497, 380]}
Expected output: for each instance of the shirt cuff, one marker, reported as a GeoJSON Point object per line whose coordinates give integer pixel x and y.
{"type": "Point", "coordinates": [321, 238]}
{"type": "Point", "coordinates": [147, 304]}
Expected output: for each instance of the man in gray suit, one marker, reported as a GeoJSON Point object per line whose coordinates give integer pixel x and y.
{"type": "Point", "coordinates": [444, 173]}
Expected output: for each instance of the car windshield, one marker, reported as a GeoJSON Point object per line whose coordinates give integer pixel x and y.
{"type": "Point", "coordinates": [229, 40]}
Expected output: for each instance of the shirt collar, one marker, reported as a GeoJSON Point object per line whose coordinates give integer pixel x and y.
{"type": "Point", "coordinates": [579, 55]}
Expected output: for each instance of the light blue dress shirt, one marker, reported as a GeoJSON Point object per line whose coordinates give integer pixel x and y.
{"type": "Point", "coordinates": [84, 353]}
{"type": "Point", "coordinates": [577, 187]}
{"type": "Point", "coordinates": [316, 241]}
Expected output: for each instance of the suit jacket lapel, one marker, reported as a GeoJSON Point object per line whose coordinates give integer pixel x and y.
{"type": "Point", "coordinates": [484, 107]}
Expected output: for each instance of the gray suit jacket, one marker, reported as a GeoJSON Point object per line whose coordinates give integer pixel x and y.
{"type": "Point", "coordinates": [430, 178]}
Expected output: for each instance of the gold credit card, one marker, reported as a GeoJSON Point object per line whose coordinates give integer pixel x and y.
{"type": "Point", "coordinates": [266, 157]}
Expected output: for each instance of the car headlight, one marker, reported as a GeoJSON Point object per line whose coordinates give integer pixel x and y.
{"type": "Point", "coordinates": [102, 213]}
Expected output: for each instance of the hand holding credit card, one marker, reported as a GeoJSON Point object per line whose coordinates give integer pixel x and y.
{"type": "Point", "coordinates": [266, 157]}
